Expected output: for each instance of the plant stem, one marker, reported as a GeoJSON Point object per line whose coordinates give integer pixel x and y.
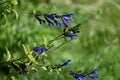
{"type": "Point", "coordinates": [13, 60]}
{"type": "Point", "coordinates": [62, 44]}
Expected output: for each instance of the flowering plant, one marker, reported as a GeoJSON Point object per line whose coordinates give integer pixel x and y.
{"type": "Point", "coordinates": [35, 55]}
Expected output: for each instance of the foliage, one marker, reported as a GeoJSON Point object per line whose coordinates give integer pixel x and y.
{"type": "Point", "coordinates": [30, 50]}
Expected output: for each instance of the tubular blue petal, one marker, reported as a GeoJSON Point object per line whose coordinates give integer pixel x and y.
{"type": "Point", "coordinates": [94, 71]}
{"type": "Point", "coordinates": [40, 50]}
{"type": "Point", "coordinates": [67, 63]}
{"type": "Point", "coordinates": [52, 17]}
{"type": "Point", "coordinates": [72, 36]}
{"type": "Point", "coordinates": [48, 21]}
{"type": "Point", "coordinates": [68, 17]}
{"type": "Point", "coordinates": [66, 24]}
{"type": "Point", "coordinates": [40, 20]}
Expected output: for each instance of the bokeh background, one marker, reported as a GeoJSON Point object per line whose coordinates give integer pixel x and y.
{"type": "Point", "coordinates": [97, 46]}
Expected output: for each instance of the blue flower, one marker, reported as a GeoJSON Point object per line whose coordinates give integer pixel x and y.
{"type": "Point", "coordinates": [84, 76]}
{"type": "Point", "coordinates": [78, 78]}
{"type": "Point", "coordinates": [94, 71]}
{"type": "Point", "coordinates": [49, 22]}
{"type": "Point", "coordinates": [39, 19]}
{"type": "Point", "coordinates": [53, 18]}
{"type": "Point", "coordinates": [66, 23]}
{"type": "Point", "coordinates": [72, 36]}
{"type": "Point", "coordinates": [66, 19]}
{"type": "Point", "coordinates": [93, 77]}
{"type": "Point", "coordinates": [67, 63]}
{"type": "Point", "coordinates": [40, 50]}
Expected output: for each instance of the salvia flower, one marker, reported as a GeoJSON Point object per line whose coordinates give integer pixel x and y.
{"type": "Point", "coordinates": [72, 36]}
{"type": "Point", "coordinates": [54, 19]}
{"type": "Point", "coordinates": [94, 71]}
{"type": "Point", "coordinates": [67, 63]}
{"type": "Point", "coordinates": [84, 76]}
{"type": "Point", "coordinates": [66, 23]}
{"type": "Point", "coordinates": [40, 50]}
{"type": "Point", "coordinates": [66, 19]}
{"type": "Point", "coordinates": [50, 23]}
{"type": "Point", "coordinates": [39, 19]}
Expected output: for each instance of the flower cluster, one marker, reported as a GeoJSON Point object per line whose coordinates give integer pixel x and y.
{"type": "Point", "coordinates": [84, 76]}
{"type": "Point", "coordinates": [39, 50]}
{"type": "Point", "coordinates": [53, 19]}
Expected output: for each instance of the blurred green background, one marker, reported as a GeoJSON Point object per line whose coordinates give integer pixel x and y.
{"type": "Point", "coordinates": [98, 44]}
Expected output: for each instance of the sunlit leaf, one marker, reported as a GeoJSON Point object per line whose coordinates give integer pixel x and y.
{"type": "Point", "coordinates": [11, 77]}
{"type": "Point", "coordinates": [8, 56]}
{"type": "Point", "coordinates": [14, 2]}
{"type": "Point", "coordinates": [45, 42]}
{"type": "Point", "coordinates": [34, 69]}
{"type": "Point", "coordinates": [29, 53]}
{"type": "Point", "coordinates": [51, 70]}
{"type": "Point", "coordinates": [44, 68]}
{"type": "Point", "coordinates": [59, 69]}
{"type": "Point", "coordinates": [16, 14]}
{"type": "Point", "coordinates": [5, 18]}
{"type": "Point", "coordinates": [8, 10]}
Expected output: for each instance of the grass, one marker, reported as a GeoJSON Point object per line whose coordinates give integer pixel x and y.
{"type": "Point", "coordinates": [98, 44]}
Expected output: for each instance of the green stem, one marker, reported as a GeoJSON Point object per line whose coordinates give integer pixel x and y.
{"type": "Point", "coordinates": [13, 60]}
{"type": "Point", "coordinates": [56, 38]}
{"type": "Point", "coordinates": [62, 44]}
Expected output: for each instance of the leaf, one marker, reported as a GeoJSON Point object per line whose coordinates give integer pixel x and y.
{"type": "Point", "coordinates": [5, 18]}
{"type": "Point", "coordinates": [29, 53]}
{"type": "Point", "coordinates": [59, 69]}
{"type": "Point", "coordinates": [14, 2]}
{"type": "Point", "coordinates": [45, 42]}
{"type": "Point", "coordinates": [34, 69]}
{"type": "Point", "coordinates": [8, 56]}
{"type": "Point", "coordinates": [16, 14]}
{"type": "Point", "coordinates": [44, 68]}
{"type": "Point", "coordinates": [11, 77]}
{"type": "Point", "coordinates": [57, 72]}
{"type": "Point", "coordinates": [51, 70]}
{"type": "Point", "coordinates": [8, 10]}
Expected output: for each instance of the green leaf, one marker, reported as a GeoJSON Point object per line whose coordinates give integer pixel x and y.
{"type": "Point", "coordinates": [14, 2]}
{"type": "Point", "coordinates": [57, 72]}
{"type": "Point", "coordinates": [8, 9]}
{"type": "Point", "coordinates": [8, 55]}
{"type": "Point", "coordinates": [5, 18]}
{"type": "Point", "coordinates": [44, 68]}
{"type": "Point", "coordinates": [11, 77]}
{"type": "Point", "coordinates": [29, 53]}
{"type": "Point", "coordinates": [51, 70]}
{"type": "Point", "coordinates": [59, 69]}
{"type": "Point", "coordinates": [34, 69]}
{"type": "Point", "coordinates": [16, 14]}
{"type": "Point", "coordinates": [45, 42]}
